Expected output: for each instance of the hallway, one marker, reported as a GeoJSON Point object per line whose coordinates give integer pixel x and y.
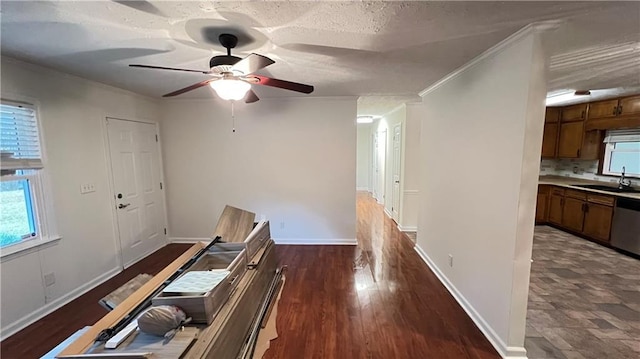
{"type": "Point", "coordinates": [376, 300]}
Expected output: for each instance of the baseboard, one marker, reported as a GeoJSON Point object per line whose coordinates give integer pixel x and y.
{"type": "Point", "coordinates": [505, 351]}
{"type": "Point", "coordinates": [50, 307]}
{"type": "Point", "coordinates": [188, 240]}
{"type": "Point", "coordinates": [407, 228]}
{"type": "Point", "coordinates": [388, 213]}
{"type": "Point", "coordinates": [316, 242]}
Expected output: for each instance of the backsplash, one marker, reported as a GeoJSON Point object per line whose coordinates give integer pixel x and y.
{"type": "Point", "coordinates": [585, 169]}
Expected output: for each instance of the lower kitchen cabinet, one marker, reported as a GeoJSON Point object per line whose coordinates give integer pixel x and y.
{"type": "Point", "coordinates": [597, 221]}
{"type": "Point", "coordinates": [541, 205]}
{"type": "Point", "coordinates": [581, 212]}
{"type": "Point", "coordinates": [556, 203]}
{"type": "Point", "coordinates": [573, 214]}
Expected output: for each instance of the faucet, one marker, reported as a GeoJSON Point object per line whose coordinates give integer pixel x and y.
{"type": "Point", "coordinates": [623, 182]}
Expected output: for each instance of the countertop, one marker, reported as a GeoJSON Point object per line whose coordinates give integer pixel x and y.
{"type": "Point", "coordinates": [569, 182]}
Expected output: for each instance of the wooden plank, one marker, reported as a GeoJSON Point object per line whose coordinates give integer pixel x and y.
{"type": "Point", "coordinates": [234, 224]}
{"type": "Point", "coordinates": [116, 297]}
{"type": "Point", "coordinates": [80, 345]}
{"type": "Point", "coordinates": [161, 348]}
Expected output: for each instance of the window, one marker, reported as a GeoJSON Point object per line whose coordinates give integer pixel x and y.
{"type": "Point", "coordinates": [22, 201]}
{"type": "Point", "coordinates": [622, 150]}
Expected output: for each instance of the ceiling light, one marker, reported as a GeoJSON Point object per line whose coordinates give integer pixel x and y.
{"type": "Point", "coordinates": [364, 119]}
{"type": "Point", "coordinates": [557, 97]}
{"type": "Point", "coordinates": [230, 89]}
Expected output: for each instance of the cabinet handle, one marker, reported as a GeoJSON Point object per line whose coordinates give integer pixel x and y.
{"type": "Point", "coordinates": [582, 115]}
{"type": "Point", "coordinates": [578, 153]}
{"type": "Point", "coordinates": [615, 110]}
{"type": "Point", "coordinates": [620, 110]}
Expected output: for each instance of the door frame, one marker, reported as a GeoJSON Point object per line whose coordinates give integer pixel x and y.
{"type": "Point", "coordinates": [112, 192]}
{"type": "Point", "coordinates": [393, 165]}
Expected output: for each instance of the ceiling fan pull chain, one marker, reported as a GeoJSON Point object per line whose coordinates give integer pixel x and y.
{"type": "Point", "coordinates": [233, 117]}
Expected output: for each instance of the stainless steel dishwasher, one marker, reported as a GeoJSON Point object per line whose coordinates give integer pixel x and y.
{"type": "Point", "coordinates": [625, 228]}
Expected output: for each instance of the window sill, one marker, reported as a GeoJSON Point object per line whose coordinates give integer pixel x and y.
{"type": "Point", "coordinates": [26, 247]}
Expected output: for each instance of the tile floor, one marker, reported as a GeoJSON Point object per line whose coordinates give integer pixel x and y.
{"type": "Point", "coordinates": [584, 300]}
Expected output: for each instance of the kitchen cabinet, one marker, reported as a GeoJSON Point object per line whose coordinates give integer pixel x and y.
{"type": "Point", "coordinates": [570, 139]}
{"type": "Point", "coordinates": [603, 109]}
{"type": "Point", "coordinates": [574, 113]}
{"type": "Point", "coordinates": [598, 216]}
{"type": "Point", "coordinates": [552, 114]}
{"type": "Point", "coordinates": [549, 140]}
{"type": "Point", "coordinates": [550, 137]}
{"type": "Point", "coordinates": [614, 108]}
{"type": "Point", "coordinates": [573, 214]}
{"type": "Point", "coordinates": [581, 212]}
{"type": "Point", "coordinates": [542, 204]}
{"type": "Point", "coordinates": [556, 204]}
{"type": "Point", "coordinates": [597, 221]}
{"type": "Point", "coordinates": [620, 113]}
{"type": "Point", "coordinates": [629, 106]}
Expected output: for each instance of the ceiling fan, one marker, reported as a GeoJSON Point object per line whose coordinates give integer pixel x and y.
{"type": "Point", "coordinates": [232, 77]}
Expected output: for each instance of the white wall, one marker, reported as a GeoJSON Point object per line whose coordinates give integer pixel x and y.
{"type": "Point", "coordinates": [72, 112]}
{"type": "Point", "coordinates": [492, 109]}
{"type": "Point", "coordinates": [363, 157]}
{"type": "Point", "coordinates": [291, 160]}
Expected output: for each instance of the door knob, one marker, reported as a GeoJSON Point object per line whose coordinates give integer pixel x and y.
{"type": "Point", "coordinates": [121, 206]}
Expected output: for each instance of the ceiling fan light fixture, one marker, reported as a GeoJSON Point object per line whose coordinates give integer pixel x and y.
{"type": "Point", "coordinates": [230, 89]}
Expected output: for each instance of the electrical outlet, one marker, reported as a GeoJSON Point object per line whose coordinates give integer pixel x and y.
{"type": "Point", "coordinates": [450, 260]}
{"type": "Point", "coordinates": [49, 279]}
{"type": "Point", "coordinates": [87, 188]}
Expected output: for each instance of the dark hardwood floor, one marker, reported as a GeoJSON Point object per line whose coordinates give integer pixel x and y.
{"type": "Point", "coordinates": [374, 300]}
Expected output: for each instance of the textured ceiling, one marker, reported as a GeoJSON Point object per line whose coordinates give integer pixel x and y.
{"type": "Point", "coordinates": [382, 52]}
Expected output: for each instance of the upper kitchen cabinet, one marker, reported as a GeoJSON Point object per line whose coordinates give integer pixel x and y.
{"type": "Point", "coordinates": [570, 142]}
{"type": "Point", "coordinates": [629, 106]}
{"type": "Point", "coordinates": [603, 109]}
{"type": "Point", "coordinates": [550, 137]}
{"type": "Point", "coordinates": [574, 113]}
{"type": "Point", "coordinates": [621, 113]}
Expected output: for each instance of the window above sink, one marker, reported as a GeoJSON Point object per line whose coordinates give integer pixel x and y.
{"type": "Point", "coordinates": [622, 149]}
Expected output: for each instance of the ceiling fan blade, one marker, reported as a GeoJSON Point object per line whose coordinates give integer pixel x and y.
{"type": "Point", "coordinates": [169, 68]}
{"type": "Point", "coordinates": [251, 97]}
{"type": "Point", "coordinates": [287, 85]}
{"type": "Point", "coordinates": [252, 63]}
{"type": "Point", "coordinates": [189, 88]}
{"type": "Point", "coordinates": [144, 6]}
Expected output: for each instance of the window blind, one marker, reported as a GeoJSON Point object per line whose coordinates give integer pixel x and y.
{"type": "Point", "coordinates": [622, 136]}
{"type": "Point", "coordinates": [19, 139]}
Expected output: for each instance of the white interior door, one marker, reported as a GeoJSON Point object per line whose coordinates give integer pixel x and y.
{"type": "Point", "coordinates": [395, 193]}
{"type": "Point", "coordinates": [381, 153]}
{"type": "Point", "coordinates": [374, 165]}
{"type": "Point", "coordinates": [135, 167]}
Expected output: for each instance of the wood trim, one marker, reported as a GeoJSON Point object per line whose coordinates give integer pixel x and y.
{"type": "Point", "coordinates": [601, 199]}
{"type": "Point", "coordinates": [613, 123]}
{"type": "Point", "coordinates": [80, 345]}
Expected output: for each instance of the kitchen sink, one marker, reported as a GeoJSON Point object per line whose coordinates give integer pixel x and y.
{"type": "Point", "coordinates": [608, 188]}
